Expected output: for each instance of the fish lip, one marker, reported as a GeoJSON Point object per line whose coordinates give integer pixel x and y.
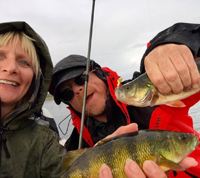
{"type": "Point", "coordinates": [117, 92]}
{"type": "Point", "coordinates": [119, 95]}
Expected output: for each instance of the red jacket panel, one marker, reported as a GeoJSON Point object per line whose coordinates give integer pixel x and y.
{"type": "Point", "coordinates": [177, 119]}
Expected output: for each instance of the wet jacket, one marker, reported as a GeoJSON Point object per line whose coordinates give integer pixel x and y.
{"type": "Point", "coordinates": [162, 117]}
{"type": "Point", "coordinates": [28, 148]}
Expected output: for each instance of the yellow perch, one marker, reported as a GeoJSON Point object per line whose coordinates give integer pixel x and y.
{"type": "Point", "coordinates": [141, 92]}
{"type": "Point", "coordinates": [166, 148]}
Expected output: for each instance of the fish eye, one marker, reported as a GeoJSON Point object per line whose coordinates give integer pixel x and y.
{"type": "Point", "coordinates": [127, 87]}
{"type": "Point", "coordinates": [182, 137]}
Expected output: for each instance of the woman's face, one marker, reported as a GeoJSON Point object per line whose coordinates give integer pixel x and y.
{"type": "Point", "coordinates": [16, 73]}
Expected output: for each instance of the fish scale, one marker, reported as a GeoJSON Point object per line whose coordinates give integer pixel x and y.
{"type": "Point", "coordinates": [157, 145]}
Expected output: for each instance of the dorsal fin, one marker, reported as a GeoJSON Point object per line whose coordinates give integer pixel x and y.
{"type": "Point", "coordinates": [71, 156]}
{"type": "Point", "coordinates": [102, 142]}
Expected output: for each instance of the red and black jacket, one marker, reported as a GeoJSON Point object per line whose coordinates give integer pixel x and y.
{"type": "Point", "coordinates": [162, 117]}
{"type": "Point", "coordinates": [177, 119]}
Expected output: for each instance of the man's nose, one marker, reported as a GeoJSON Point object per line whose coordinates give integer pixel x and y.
{"type": "Point", "coordinates": [77, 89]}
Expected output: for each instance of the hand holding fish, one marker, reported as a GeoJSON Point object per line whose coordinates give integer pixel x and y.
{"type": "Point", "coordinates": [150, 169]}
{"type": "Point", "coordinates": [166, 148]}
{"type": "Point", "coordinates": [171, 67]}
{"type": "Point", "coordinates": [132, 170]}
{"type": "Point", "coordinates": [164, 74]}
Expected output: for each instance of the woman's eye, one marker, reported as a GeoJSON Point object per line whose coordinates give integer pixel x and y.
{"type": "Point", "coordinates": [1, 56]}
{"type": "Point", "coordinates": [24, 63]}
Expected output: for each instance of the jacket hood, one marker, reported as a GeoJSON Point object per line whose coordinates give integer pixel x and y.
{"type": "Point", "coordinates": [42, 84]}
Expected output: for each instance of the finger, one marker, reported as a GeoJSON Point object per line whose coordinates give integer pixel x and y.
{"type": "Point", "coordinates": [188, 162]}
{"type": "Point", "coordinates": [194, 73]}
{"type": "Point", "coordinates": [170, 74]}
{"type": "Point", "coordinates": [132, 170]}
{"type": "Point", "coordinates": [124, 129]}
{"type": "Point", "coordinates": [105, 172]}
{"type": "Point", "coordinates": [152, 170]}
{"type": "Point", "coordinates": [155, 75]}
{"type": "Point", "coordinates": [182, 70]}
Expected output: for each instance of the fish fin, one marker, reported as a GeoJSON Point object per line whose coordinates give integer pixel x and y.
{"type": "Point", "coordinates": [71, 156]}
{"type": "Point", "coordinates": [106, 140]}
{"type": "Point", "coordinates": [102, 142]}
{"type": "Point", "coordinates": [178, 104]}
{"type": "Point", "coordinates": [119, 81]}
{"type": "Point", "coordinates": [167, 164]}
{"type": "Point", "coordinates": [154, 99]}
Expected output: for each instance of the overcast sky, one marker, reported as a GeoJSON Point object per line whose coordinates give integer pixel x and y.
{"type": "Point", "coordinates": [121, 29]}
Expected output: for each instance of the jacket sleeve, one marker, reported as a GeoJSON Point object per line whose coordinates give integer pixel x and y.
{"type": "Point", "coordinates": [177, 119]}
{"type": "Point", "coordinates": [179, 33]}
{"type": "Point", "coordinates": [53, 156]}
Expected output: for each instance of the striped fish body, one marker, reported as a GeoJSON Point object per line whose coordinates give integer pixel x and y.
{"type": "Point", "coordinates": [166, 148]}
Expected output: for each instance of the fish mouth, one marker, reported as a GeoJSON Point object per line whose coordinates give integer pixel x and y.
{"type": "Point", "coordinates": [119, 95]}
{"type": "Point", "coordinates": [117, 92]}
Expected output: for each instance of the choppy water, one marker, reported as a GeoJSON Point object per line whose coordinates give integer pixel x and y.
{"type": "Point", "coordinates": [59, 112]}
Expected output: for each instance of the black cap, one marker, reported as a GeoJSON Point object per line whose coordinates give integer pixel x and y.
{"type": "Point", "coordinates": [68, 68]}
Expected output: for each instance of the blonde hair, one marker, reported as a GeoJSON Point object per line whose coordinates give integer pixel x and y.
{"type": "Point", "coordinates": [27, 46]}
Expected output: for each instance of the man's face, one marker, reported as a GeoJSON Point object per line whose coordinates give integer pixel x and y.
{"type": "Point", "coordinates": [96, 95]}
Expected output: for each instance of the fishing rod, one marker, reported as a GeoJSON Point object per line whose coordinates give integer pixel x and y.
{"type": "Point", "coordinates": [86, 76]}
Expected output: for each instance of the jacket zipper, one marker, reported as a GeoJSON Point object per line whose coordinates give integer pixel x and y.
{"type": "Point", "coordinates": [3, 140]}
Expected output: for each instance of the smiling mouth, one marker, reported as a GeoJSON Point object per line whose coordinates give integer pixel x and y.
{"type": "Point", "coordinates": [8, 83]}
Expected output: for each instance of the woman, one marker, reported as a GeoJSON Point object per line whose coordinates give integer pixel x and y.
{"type": "Point", "coordinates": [28, 148]}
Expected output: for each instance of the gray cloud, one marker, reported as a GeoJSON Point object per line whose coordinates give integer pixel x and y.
{"type": "Point", "coordinates": [121, 27]}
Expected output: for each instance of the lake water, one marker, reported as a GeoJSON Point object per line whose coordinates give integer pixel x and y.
{"type": "Point", "coordinates": [60, 112]}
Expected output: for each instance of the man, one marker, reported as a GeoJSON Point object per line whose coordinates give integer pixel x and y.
{"type": "Point", "coordinates": [169, 63]}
